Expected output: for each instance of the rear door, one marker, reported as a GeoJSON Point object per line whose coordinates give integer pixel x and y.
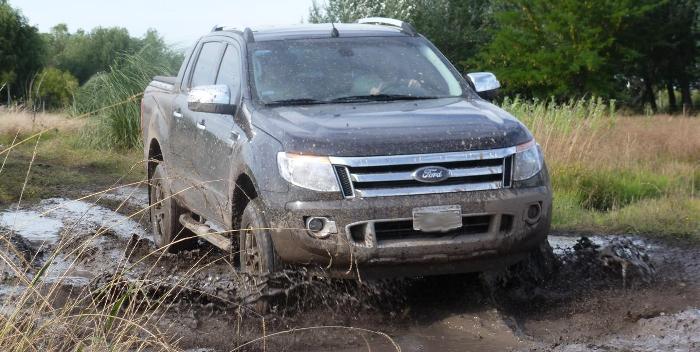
{"type": "Point", "coordinates": [221, 138]}
{"type": "Point", "coordinates": [189, 125]}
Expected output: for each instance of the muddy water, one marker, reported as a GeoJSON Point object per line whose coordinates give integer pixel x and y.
{"type": "Point", "coordinates": [607, 293]}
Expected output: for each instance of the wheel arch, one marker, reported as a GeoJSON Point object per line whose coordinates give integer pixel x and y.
{"type": "Point", "coordinates": [244, 191]}
{"type": "Point", "coordinates": [155, 156]}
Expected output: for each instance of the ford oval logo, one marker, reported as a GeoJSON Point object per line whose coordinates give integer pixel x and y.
{"type": "Point", "coordinates": [431, 174]}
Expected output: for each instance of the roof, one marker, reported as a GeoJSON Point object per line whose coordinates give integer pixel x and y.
{"type": "Point", "coordinates": [313, 31]}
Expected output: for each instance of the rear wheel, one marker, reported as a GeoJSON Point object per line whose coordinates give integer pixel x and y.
{"type": "Point", "coordinates": [165, 214]}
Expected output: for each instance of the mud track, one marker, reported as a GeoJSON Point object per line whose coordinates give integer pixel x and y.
{"type": "Point", "coordinates": [604, 293]}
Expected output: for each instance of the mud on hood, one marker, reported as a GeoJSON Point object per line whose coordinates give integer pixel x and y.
{"type": "Point", "coordinates": [390, 128]}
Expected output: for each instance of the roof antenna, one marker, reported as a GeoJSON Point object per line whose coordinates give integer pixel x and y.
{"type": "Point", "coordinates": [334, 32]}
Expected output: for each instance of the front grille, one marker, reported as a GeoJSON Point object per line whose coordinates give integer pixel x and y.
{"type": "Point", "coordinates": [385, 231]}
{"type": "Point", "coordinates": [379, 176]}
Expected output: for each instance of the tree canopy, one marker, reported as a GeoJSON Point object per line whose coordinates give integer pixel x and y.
{"type": "Point", "coordinates": [35, 65]}
{"type": "Point", "coordinates": [87, 53]}
{"type": "Point", "coordinates": [21, 50]}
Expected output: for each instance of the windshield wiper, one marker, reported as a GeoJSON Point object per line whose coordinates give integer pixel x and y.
{"type": "Point", "coordinates": [379, 97]}
{"type": "Point", "coordinates": [296, 101]}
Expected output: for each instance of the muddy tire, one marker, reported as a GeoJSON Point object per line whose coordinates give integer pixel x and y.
{"type": "Point", "coordinates": [258, 258]}
{"type": "Point", "coordinates": [165, 214]}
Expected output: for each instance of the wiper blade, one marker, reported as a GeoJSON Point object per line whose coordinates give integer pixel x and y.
{"type": "Point", "coordinates": [297, 101]}
{"type": "Point", "coordinates": [379, 97]}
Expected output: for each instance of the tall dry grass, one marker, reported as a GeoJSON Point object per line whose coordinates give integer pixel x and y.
{"type": "Point", "coordinates": [612, 172]}
{"type": "Point", "coordinates": [17, 120]}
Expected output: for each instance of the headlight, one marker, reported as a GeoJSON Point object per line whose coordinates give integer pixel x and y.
{"type": "Point", "coordinates": [528, 161]}
{"type": "Point", "coordinates": [312, 172]}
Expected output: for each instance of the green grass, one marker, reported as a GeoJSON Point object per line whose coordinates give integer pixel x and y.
{"type": "Point", "coordinates": [605, 190]}
{"type": "Point", "coordinates": [112, 101]}
{"type": "Point", "coordinates": [63, 167]}
{"type": "Point", "coordinates": [659, 217]}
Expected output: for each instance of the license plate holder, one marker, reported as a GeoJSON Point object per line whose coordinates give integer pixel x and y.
{"type": "Point", "coordinates": [442, 218]}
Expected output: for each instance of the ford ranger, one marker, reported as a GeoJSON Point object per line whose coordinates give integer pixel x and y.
{"type": "Point", "coordinates": [355, 148]}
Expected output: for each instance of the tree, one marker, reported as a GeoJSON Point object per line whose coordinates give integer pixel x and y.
{"type": "Point", "coordinates": [84, 54]}
{"type": "Point", "coordinates": [21, 50]}
{"type": "Point", "coordinates": [564, 48]}
{"type": "Point", "coordinates": [660, 51]}
{"type": "Point", "coordinates": [346, 11]}
{"type": "Point", "coordinates": [460, 29]}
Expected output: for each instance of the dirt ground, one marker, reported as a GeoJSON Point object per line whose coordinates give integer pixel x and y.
{"type": "Point", "coordinates": [606, 294]}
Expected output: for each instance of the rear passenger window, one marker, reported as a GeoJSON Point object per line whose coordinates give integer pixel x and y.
{"type": "Point", "coordinates": [230, 72]}
{"type": "Point", "coordinates": [207, 65]}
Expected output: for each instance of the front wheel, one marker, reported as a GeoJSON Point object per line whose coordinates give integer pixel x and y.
{"type": "Point", "coordinates": [258, 256]}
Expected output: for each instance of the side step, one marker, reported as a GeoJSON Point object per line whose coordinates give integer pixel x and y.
{"type": "Point", "coordinates": [205, 232]}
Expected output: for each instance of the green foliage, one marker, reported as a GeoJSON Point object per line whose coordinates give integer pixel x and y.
{"type": "Point", "coordinates": [562, 48]}
{"type": "Point", "coordinates": [115, 95]}
{"type": "Point", "coordinates": [346, 11]}
{"type": "Point", "coordinates": [611, 189]}
{"type": "Point", "coordinates": [562, 117]}
{"type": "Point", "coordinates": [459, 28]}
{"type": "Point", "coordinates": [55, 88]}
{"type": "Point", "coordinates": [85, 54]}
{"type": "Point", "coordinates": [21, 49]}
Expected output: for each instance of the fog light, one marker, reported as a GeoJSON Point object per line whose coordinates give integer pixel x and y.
{"type": "Point", "coordinates": [533, 213]}
{"type": "Point", "coordinates": [320, 227]}
{"type": "Point", "coordinates": [315, 224]}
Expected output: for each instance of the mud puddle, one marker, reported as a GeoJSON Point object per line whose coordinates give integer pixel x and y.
{"type": "Point", "coordinates": [608, 293]}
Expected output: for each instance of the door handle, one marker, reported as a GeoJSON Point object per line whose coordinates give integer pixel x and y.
{"type": "Point", "coordinates": [234, 136]}
{"type": "Point", "coordinates": [201, 125]}
{"type": "Point", "coordinates": [177, 114]}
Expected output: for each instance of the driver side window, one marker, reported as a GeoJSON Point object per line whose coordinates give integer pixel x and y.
{"type": "Point", "coordinates": [230, 71]}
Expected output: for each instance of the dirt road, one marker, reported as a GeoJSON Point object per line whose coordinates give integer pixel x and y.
{"type": "Point", "coordinates": [587, 305]}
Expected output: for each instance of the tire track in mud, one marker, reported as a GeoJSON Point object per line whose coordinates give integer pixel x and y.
{"type": "Point", "coordinates": [586, 304]}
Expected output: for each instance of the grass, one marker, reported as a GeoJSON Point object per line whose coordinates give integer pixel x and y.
{"type": "Point", "coordinates": [618, 174]}
{"type": "Point", "coordinates": [115, 96]}
{"type": "Point", "coordinates": [62, 165]}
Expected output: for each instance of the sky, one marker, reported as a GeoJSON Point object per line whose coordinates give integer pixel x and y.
{"type": "Point", "coordinates": [181, 22]}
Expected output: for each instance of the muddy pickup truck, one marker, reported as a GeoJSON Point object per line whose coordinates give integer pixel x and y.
{"type": "Point", "coordinates": [354, 148]}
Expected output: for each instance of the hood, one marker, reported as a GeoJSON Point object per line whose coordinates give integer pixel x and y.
{"type": "Point", "coordinates": [392, 128]}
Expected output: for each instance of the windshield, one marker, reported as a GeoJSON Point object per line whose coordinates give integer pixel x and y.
{"type": "Point", "coordinates": [349, 69]}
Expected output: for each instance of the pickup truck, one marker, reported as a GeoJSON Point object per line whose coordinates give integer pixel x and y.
{"type": "Point", "coordinates": [356, 148]}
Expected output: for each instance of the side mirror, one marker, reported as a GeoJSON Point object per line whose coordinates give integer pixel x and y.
{"type": "Point", "coordinates": [485, 84]}
{"type": "Point", "coordinates": [211, 99]}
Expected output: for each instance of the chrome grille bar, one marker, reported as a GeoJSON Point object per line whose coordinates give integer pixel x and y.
{"type": "Point", "coordinates": [405, 176]}
{"type": "Point", "coordinates": [467, 187]}
{"type": "Point", "coordinates": [421, 159]}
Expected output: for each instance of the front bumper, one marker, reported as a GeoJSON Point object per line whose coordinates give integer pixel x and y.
{"type": "Point", "coordinates": [507, 237]}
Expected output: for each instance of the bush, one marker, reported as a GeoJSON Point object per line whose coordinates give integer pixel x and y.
{"type": "Point", "coordinates": [112, 99]}
{"type": "Point", "coordinates": [55, 88]}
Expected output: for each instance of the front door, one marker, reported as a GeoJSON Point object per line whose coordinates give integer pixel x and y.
{"type": "Point", "coordinates": [221, 140]}
{"type": "Point", "coordinates": [189, 126]}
